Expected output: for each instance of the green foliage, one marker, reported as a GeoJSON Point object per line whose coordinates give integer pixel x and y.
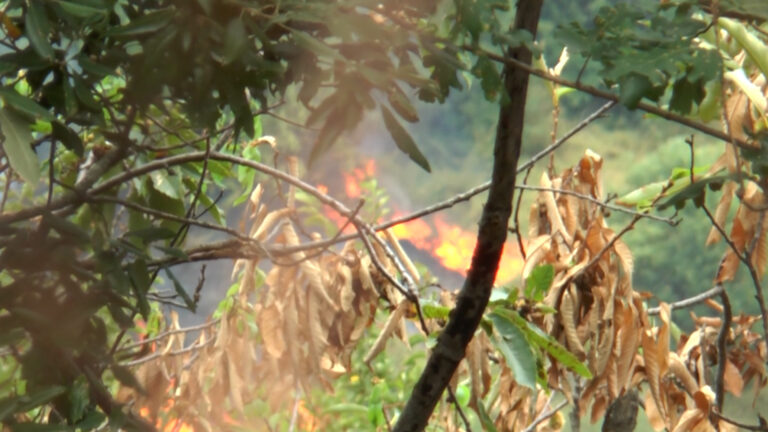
{"type": "Point", "coordinates": [645, 50]}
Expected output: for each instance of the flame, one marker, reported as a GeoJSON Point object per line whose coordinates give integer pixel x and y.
{"type": "Point", "coordinates": [453, 246]}
{"type": "Point", "coordinates": [449, 243]}
{"type": "Point", "coordinates": [174, 425]}
{"type": "Point", "coordinates": [352, 180]}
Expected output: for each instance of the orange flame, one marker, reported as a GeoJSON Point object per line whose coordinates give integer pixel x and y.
{"type": "Point", "coordinates": [174, 425]}
{"type": "Point", "coordinates": [453, 246]}
{"type": "Point", "coordinates": [449, 243]}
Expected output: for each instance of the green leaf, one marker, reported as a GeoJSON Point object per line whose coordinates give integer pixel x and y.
{"type": "Point", "coordinates": [317, 47]}
{"type": "Point", "coordinates": [139, 274]}
{"type": "Point", "coordinates": [402, 105]}
{"type": "Point", "coordinates": [485, 419]}
{"type": "Point", "coordinates": [684, 95]}
{"type": "Point", "coordinates": [756, 49]}
{"type": "Point", "coordinates": [68, 137]}
{"type": "Point", "coordinates": [642, 196]}
{"type": "Point", "coordinates": [537, 336]}
{"type": "Point", "coordinates": [332, 129]}
{"type": "Point", "coordinates": [24, 105]}
{"type": "Point", "coordinates": [80, 10]}
{"type": "Point", "coordinates": [126, 377]}
{"type": "Point", "coordinates": [78, 400]}
{"type": "Point", "coordinates": [539, 281]}
{"type": "Point", "coordinates": [435, 311]}
{"type": "Point", "coordinates": [17, 146]}
{"type": "Point", "coordinates": [234, 41]}
{"type": "Point", "coordinates": [148, 23]}
{"type": "Point", "coordinates": [696, 191]}
{"type": "Point", "coordinates": [37, 29]}
{"type": "Point", "coordinates": [166, 184]}
{"type": "Point", "coordinates": [151, 234]}
{"type": "Point", "coordinates": [490, 78]}
{"type": "Point", "coordinates": [515, 348]}
{"type": "Point", "coordinates": [632, 89]}
{"type": "Point", "coordinates": [91, 421]}
{"type": "Point", "coordinates": [403, 140]}
{"type": "Point", "coordinates": [462, 394]}
{"type": "Point", "coordinates": [95, 69]}
{"type": "Point", "coordinates": [40, 397]}
{"type": "Point", "coordinates": [66, 228]}
{"type": "Point", "coordinates": [180, 290]}
{"type": "Point", "coordinates": [174, 252]}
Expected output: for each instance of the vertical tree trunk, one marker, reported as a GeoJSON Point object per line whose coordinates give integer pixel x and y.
{"type": "Point", "coordinates": [474, 295]}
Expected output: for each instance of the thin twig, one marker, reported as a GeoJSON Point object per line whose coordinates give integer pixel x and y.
{"type": "Point", "coordinates": [452, 398]}
{"type": "Point", "coordinates": [722, 354]}
{"type": "Point", "coordinates": [691, 301]}
{"type": "Point", "coordinates": [545, 415]}
{"type": "Point", "coordinates": [322, 250]}
{"type": "Point", "coordinates": [759, 428]}
{"type": "Point", "coordinates": [516, 215]}
{"type": "Point", "coordinates": [603, 204]}
{"type": "Point", "coordinates": [158, 354]}
{"type": "Point", "coordinates": [164, 215]}
{"type": "Point", "coordinates": [165, 334]}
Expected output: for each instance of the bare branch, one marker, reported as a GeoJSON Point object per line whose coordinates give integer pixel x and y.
{"type": "Point", "coordinates": [691, 301]}
{"type": "Point", "coordinates": [604, 94]}
{"type": "Point", "coordinates": [722, 353]}
{"type": "Point", "coordinates": [165, 334]}
{"type": "Point", "coordinates": [603, 204]}
{"type": "Point", "coordinates": [545, 415]}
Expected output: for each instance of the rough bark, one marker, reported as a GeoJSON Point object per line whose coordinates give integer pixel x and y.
{"type": "Point", "coordinates": [474, 295]}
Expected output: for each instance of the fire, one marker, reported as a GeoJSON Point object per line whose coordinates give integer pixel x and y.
{"type": "Point", "coordinates": [175, 425]}
{"type": "Point", "coordinates": [352, 180]}
{"type": "Point", "coordinates": [451, 244]}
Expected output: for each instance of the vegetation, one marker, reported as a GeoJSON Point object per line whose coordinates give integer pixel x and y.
{"type": "Point", "coordinates": [134, 150]}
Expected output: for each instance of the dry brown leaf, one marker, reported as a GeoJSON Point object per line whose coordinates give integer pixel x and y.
{"type": "Point", "coordinates": [599, 406]}
{"type": "Point", "coordinates": [721, 211]}
{"type": "Point", "coordinates": [553, 213]}
{"type": "Point", "coordinates": [536, 249]}
{"type": "Point", "coordinates": [269, 222]}
{"type": "Point", "coordinates": [625, 256]}
{"type": "Point", "coordinates": [653, 371]}
{"type": "Point", "coordinates": [404, 258]}
{"type": "Point", "coordinates": [733, 381]}
{"type": "Point", "coordinates": [293, 170]}
{"type": "Point", "coordinates": [255, 199]}
{"type": "Point", "coordinates": [628, 334]}
{"type": "Point", "coordinates": [347, 291]}
{"type": "Point", "coordinates": [235, 384]}
{"type": "Point", "coordinates": [678, 369]}
{"type": "Point", "coordinates": [270, 326]}
{"type": "Point", "coordinates": [567, 319]}
{"type": "Point", "coordinates": [689, 420]}
{"type": "Point", "coordinates": [474, 357]}
{"type": "Point", "coordinates": [392, 323]}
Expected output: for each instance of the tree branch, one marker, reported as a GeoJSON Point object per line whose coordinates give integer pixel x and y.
{"type": "Point", "coordinates": [474, 295]}
{"type": "Point", "coordinates": [607, 95]}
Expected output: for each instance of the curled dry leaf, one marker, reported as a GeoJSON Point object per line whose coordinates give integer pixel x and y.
{"type": "Point", "coordinates": [393, 322]}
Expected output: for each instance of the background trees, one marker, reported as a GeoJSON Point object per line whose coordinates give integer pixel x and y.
{"type": "Point", "coordinates": [131, 128]}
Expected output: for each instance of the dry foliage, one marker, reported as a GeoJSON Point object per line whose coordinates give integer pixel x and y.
{"type": "Point", "coordinates": [313, 307]}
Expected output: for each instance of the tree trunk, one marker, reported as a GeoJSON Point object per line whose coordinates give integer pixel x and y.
{"type": "Point", "coordinates": [474, 295]}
